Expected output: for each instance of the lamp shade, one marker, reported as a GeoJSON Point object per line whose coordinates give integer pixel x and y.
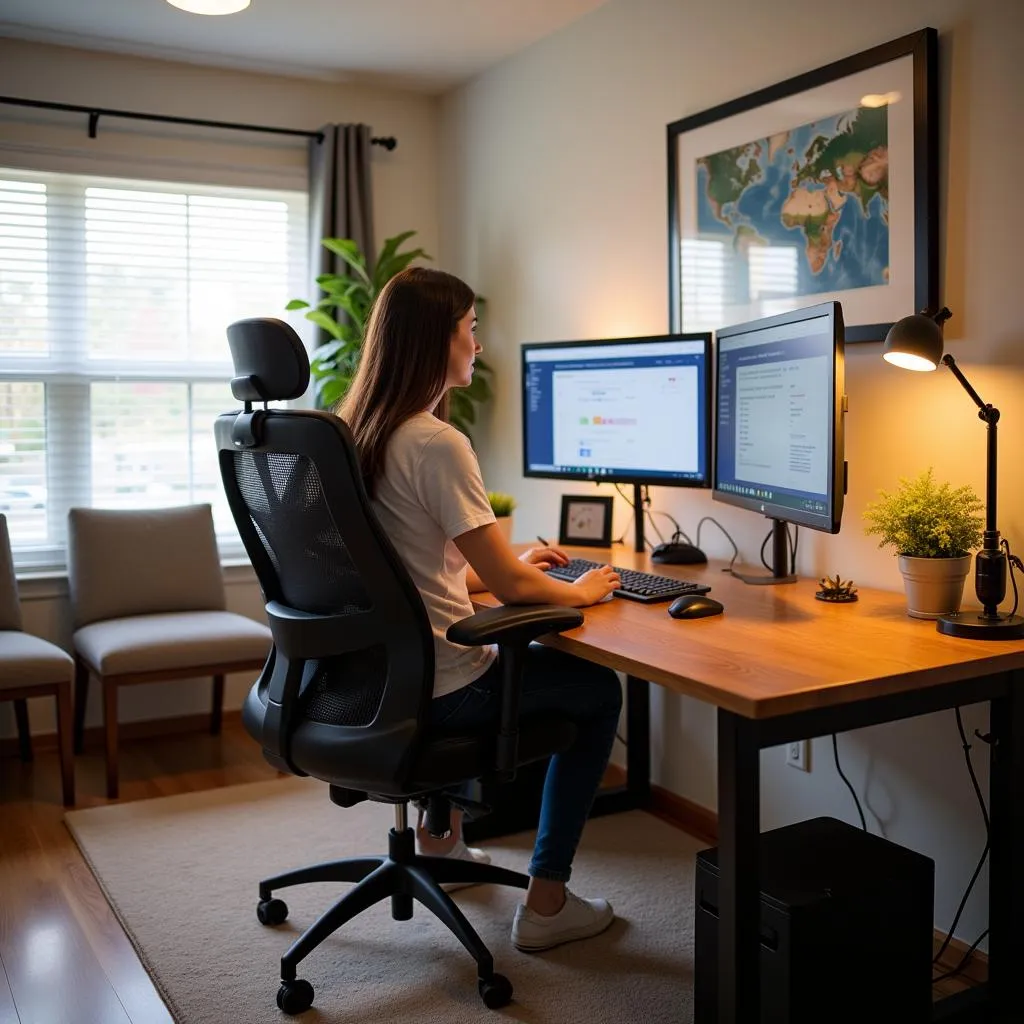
{"type": "Point", "coordinates": [915, 343]}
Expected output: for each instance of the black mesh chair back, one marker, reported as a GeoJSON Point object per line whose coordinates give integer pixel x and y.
{"type": "Point", "coordinates": [348, 685]}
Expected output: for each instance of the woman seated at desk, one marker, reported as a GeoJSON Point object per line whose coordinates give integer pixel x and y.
{"type": "Point", "coordinates": [427, 491]}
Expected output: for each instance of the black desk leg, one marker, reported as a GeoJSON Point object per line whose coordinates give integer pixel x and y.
{"type": "Point", "coordinates": [638, 730]}
{"type": "Point", "coordinates": [739, 925]}
{"type": "Point", "coordinates": [1006, 878]}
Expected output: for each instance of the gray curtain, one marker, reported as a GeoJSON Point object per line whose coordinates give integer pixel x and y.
{"type": "Point", "coordinates": [340, 198]}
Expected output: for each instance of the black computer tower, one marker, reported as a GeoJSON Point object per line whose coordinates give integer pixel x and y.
{"type": "Point", "coordinates": [846, 928]}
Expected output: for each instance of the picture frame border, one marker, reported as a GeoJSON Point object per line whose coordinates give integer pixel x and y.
{"type": "Point", "coordinates": [568, 500]}
{"type": "Point", "coordinates": [922, 46]}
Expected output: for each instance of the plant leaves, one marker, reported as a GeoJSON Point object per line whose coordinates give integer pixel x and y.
{"type": "Point", "coordinates": [924, 519]}
{"type": "Point", "coordinates": [328, 323]}
{"type": "Point", "coordinates": [388, 250]}
{"type": "Point", "coordinates": [342, 312]}
{"type": "Point", "coordinates": [350, 252]}
{"type": "Point", "coordinates": [330, 391]}
{"type": "Point", "coordinates": [328, 351]}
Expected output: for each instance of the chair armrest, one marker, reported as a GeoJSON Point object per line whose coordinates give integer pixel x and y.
{"type": "Point", "coordinates": [515, 625]}
{"type": "Point", "coordinates": [511, 627]}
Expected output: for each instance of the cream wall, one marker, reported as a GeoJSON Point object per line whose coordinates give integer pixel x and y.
{"type": "Point", "coordinates": [405, 197]}
{"type": "Point", "coordinates": [404, 180]}
{"type": "Point", "coordinates": [554, 206]}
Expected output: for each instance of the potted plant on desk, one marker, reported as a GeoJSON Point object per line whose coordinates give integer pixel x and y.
{"type": "Point", "coordinates": [502, 506]}
{"type": "Point", "coordinates": [932, 527]}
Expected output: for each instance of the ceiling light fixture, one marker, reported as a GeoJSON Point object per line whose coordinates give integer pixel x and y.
{"type": "Point", "coordinates": [210, 6]}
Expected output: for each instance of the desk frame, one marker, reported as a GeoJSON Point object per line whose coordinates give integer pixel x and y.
{"type": "Point", "coordinates": [789, 696]}
{"type": "Point", "coordinates": [740, 741]}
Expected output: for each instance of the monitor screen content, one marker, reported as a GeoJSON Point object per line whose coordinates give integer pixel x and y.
{"type": "Point", "coordinates": [780, 407]}
{"type": "Point", "coordinates": [626, 410]}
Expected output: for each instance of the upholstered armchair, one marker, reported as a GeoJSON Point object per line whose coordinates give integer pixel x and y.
{"type": "Point", "coordinates": [148, 602]}
{"type": "Point", "coordinates": [32, 667]}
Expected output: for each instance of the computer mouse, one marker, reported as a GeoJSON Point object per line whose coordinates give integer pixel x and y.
{"type": "Point", "coordinates": [678, 554]}
{"type": "Point", "coordinates": [695, 606]}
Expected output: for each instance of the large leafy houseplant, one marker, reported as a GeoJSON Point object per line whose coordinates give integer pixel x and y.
{"type": "Point", "coordinates": [343, 310]}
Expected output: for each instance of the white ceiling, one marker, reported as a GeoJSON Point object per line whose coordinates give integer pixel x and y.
{"type": "Point", "coordinates": [426, 45]}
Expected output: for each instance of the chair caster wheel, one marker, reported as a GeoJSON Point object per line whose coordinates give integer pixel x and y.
{"type": "Point", "coordinates": [496, 991]}
{"type": "Point", "coordinates": [295, 996]}
{"type": "Point", "coordinates": [272, 911]}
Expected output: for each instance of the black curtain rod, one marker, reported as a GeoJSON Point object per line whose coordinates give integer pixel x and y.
{"type": "Point", "coordinates": [95, 113]}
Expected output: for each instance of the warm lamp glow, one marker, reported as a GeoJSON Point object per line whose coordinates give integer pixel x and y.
{"type": "Point", "coordinates": [915, 343]}
{"type": "Point", "coordinates": [907, 361]}
{"type": "Point", "coordinates": [880, 99]}
{"type": "Point", "coordinates": [210, 6]}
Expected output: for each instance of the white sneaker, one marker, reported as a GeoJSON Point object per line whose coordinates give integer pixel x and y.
{"type": "Point", "coordinates": [460, 851]}
{"type": "Point", "coordinates": [578, 919]}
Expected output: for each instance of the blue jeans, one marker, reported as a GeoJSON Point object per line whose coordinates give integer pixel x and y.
{"type": "Point", "coordinates": [552, 682]}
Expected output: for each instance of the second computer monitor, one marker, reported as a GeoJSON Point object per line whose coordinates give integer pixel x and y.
{"type": "Point", "coordinates": [622, 410]}
{"type": "Point", "coordinates": [780, 405]}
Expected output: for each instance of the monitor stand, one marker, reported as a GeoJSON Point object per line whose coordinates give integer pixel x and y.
{"type": "Point", "coordinates": [638, 518]}
{"type": "Point", "coordinates": [780, 559]}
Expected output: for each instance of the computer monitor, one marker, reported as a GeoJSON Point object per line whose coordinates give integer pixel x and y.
{"type": "Point", "coordinates": [781, 400]}
{"type": "Point", "coordinates": [619, 410]}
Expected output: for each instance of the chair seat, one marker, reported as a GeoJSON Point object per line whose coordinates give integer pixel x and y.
{"type": "Point", "coordinates": [448, 759]}
{"type": "Point", "coordinates": [337, 755]}
{"type": "Point", "coordinates": [444, 760]}
{"type": "Point", "coordinates": [27, 660]}
{"type": "Point", "coordinates": [171, 640]}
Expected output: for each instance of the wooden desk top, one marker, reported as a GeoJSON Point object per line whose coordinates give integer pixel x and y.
{"type": "Point", "coordinates": [775, 649]}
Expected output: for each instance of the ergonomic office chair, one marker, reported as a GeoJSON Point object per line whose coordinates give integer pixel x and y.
{"type": "Point", "coordinates": [345, 695]}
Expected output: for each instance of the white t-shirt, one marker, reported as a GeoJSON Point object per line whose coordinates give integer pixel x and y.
{"type": "Point", "coordinates": [430, 492]}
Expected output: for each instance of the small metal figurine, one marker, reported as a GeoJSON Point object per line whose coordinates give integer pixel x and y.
{"type": "Point", "coordinates": [836, 590]}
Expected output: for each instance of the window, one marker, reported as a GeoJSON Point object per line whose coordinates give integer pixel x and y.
{"type": "Point", "coordinates": [114, 364]}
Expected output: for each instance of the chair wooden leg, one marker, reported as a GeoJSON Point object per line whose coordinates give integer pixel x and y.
{"type": "Point", "coordinates": [110, 735]}
{"type": "Point", "coordinates": [217, 708]}
{"type": "Point", "coordinates": [81, 699]}
{"type": "Point", "coordinates": [24, 736]}
{"type": "Point", "coordinates": [67, 758]}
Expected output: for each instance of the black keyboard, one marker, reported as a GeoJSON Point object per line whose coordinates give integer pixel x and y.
{"type": "Point", "coordinates": [636, 585]}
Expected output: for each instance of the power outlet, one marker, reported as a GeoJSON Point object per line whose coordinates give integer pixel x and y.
{"type": "Point", "coordinates": [798, 754]}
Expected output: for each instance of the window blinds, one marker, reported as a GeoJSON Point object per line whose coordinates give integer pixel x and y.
{"type": "Point", "coordinates": [114, 299]}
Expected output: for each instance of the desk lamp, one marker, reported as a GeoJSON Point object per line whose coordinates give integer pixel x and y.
{"type": "Point", "coordinates": [915, 343]}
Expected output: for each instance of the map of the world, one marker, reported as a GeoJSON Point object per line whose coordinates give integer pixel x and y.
{"type": "Point", "coordinates": [822, 187]}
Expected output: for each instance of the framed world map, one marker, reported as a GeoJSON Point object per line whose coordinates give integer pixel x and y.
{"type": "Point", "coordinates": [821, 187]}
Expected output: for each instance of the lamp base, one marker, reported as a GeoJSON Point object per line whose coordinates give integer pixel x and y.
{"type": "Point", "coordinates": [975, 626]}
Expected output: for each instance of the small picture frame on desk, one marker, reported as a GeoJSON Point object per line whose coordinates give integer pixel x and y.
{"type": "Point", "coordinates": [586, 521]}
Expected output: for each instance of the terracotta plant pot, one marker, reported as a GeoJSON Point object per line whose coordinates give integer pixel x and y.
{"type": "Point", "coordinates": [934, 586]}
{"type": "Point", "coordinates": [505, 524]}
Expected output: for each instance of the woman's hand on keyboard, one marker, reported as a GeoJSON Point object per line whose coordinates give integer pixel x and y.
{"type": "Point", "coordinates": [545, 557]}
{"type": "Point", "coordinates": [597, 584]}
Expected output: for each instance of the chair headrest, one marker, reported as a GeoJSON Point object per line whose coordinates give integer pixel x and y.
{"type": "Point", "coordinates": [270, 360]}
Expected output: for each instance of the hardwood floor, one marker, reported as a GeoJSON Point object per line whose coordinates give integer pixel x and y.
{"type": "Point", "coordinates": [64, 958]}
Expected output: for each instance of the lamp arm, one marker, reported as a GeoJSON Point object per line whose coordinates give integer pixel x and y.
{"type": "Point", "coordinates": [990, 562]}
{"type": "Point", "coordinates": [987, 412]}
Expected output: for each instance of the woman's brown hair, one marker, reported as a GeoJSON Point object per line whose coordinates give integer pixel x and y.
{"type": "Point", "coordinates": [404, 361]}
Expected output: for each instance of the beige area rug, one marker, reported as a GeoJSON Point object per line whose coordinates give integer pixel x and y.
{"type": "Point", "coordinates": [181, 873]}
